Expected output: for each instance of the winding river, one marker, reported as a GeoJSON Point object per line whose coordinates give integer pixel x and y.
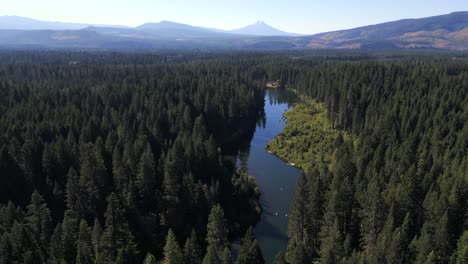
{"type": "Point", "coordinates": [275, 178]}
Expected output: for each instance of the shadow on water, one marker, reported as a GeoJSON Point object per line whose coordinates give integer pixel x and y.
{"type": "Point", "coordinates": [275, 178]}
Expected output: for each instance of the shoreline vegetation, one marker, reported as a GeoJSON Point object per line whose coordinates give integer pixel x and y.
{"type": "Point", "coordinates": [309, 133]}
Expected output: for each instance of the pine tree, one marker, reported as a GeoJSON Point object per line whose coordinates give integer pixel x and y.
{"type": "Point", "coordinates": [119, 174]}
{"type": "Point", "coordinates": [192, 250]}
{"type": "Point", "coordinates": [461, 253]}
{"type": "Point", "coordinates": [226, 256]}
{"type": "Point", "coordinates": [216, 228]}
{"type": "Point", "coordinates": [56, 250]}
{"type": "Point", "coordinates": [39, 222]}
{"type": "Point", "coordinates": [70, 229]}
{"type": "Point", "coordinates": [398, 251]}
{"type": "Point", "coordinates": [315, 208]}
{"type": "Point", "coordinates": [93, 179]}
{"type": "Point", "coordinates": [96, 238]}
{"type": "Point", "coordinates": [379, 252]}
{"type": "Point", "coordinates": [331, 250]}
{"type": "Point", "coordinates": [298, 212]}
{"type": "Point", "coordinates": [84, 252]}
{"type": "Point", "coordinates": [216, 237]}
{"type": "Point", "coordinates": [150, 259]}
{"type": "Point", "coordinates": [250, 251]}
{"type": "Point", "coordinates": [172, 252]}
{"type": "Point", "coordinates": [5, 250]}
{"type": "Point", "coordinates": [442, 238]}
{"type": "Point", "coordinates": [171, 188]}
{"type": "Point", "coordinates": [117, 234]}
{"type": "Point", "coordinates": [340, 210]}
{"type": "Point", "coordinates": [373, 215]}
{"type": "Point", "coordinates": [296, 251]}
{"type": "Point", "coordinates": [212, 256]}
{"type": "Point", "coordinates": [74, 195]}
{"type": "Point", "coordinates": [146, 177]}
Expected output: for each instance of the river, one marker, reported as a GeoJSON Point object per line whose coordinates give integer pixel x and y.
{"type": "Point", "coordinates": [275, 178]}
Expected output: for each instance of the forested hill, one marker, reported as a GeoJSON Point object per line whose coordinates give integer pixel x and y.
{"type": "Point", "coordinates": [98, 160]}
{"type": "Point", "coordinates": [396, 191]}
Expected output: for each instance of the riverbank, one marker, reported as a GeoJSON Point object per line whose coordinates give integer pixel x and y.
{"type": "Point", "coordinates": [308, 138]}
{"type": "Point", "coordinates": [275, 179]}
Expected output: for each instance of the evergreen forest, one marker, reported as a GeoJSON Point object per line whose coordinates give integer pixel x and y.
{"type": "Point", "coordinates": [126, 157]}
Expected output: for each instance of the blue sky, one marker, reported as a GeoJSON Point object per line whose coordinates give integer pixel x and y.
{"type": "Point", "coordinates": [300, 16]}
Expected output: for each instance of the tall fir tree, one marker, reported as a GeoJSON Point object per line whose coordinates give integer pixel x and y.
{"type": "Point", "coordinates": [250, 251]}
{"type": "Point", "coordinates": [216, 237]}
{"type": "Point", "coordinates": [172, 252]}
{"type": "Point", "coordinates": [39, 222]}
{"type": "Point", "coordinates": [192, 250]}
{"type": "Point", "coordinates": [84, 252]}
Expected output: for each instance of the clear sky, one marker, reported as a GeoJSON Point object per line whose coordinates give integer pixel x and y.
{"type": "Point", "coordinates": [300, 16]}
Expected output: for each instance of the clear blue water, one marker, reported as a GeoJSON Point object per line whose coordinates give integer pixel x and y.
{"type": "Point", "coordinates": [275, 178]}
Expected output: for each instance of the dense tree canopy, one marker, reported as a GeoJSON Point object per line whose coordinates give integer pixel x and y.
{"type": "Point", "coordinates": [102, 153]}
{"type": "Point", "coordinates": [397, 186]}
{"type": "Point", "coordinates": [106, 154]}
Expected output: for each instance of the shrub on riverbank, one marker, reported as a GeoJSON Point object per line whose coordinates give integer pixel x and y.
{"type": "Point", "coordinates": [308, 139]}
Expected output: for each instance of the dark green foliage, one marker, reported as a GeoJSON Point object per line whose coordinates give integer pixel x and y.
{"type": "Point", "coordinates": [131, 146]}
{"type": "Point", "coordinates": [84, 252]}
{"type": "Point", "coordinates": [332, 249]}
{"type": "Point", "coordinates": [217, 232]}
{"type": "Point", "coordinates": [279, 258]}
{"type": "Point", "coordinates": [172, 252]}
{"type": "Point", "coordinates": [250, 251]}
{"type": "Point", "coordinates": [192, 250]}
{"type": "Point", "coordinates": [39, 223]}
{"type": "Point", "coordinates": [134, 145]}
{"type": "Point", "coordinates": [150, 259]}
{"type": "Point", "coordinates": [116, 241]}
{"type": "Point", "coordinates": [396, 191]}
{"type": "Point", "coordinates": [461, 253]}
{"type": "Point", "coordinates": [216, 238]}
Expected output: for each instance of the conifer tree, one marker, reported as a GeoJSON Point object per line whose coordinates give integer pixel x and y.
{"type": "Point", "coordinates": [296, 251]}
{"type": "Point", "coordinates": [216, 237]}
{"type": "Point", "coordinates": [172, 252]}
{"type": "Point", "coordinates": [96, 238]}
{"type": "Point", "coordinates": [150, 259]}
{"type": "Point", "coordinates": [331, 250]}
{"type": "Point", "coordinates": [315, 208]}
{"type": "Point", "coordinates": [461, 253]}
{"type": "Point", "coordinates": [39, 222]}
{"type": "Point", "coordinates": [56, 250]}
{"type": "Point", "coordinates": [250, 251]}
{"type": "Point", "coordinates": [146, 176]}
{"type": "Point", "coordinates": [70, 229]}
{"type": "Point", "coordinates": [84, 253]}
{"type": "Point", "coordinates": [298, 212]}
{"type": "Point", "coordinates": [117, 235]}
{"type": "Point", "coordinates": [192, 250]}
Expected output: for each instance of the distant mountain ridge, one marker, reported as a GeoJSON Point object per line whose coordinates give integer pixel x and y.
{"type": "Point", "coordinates": [25, 23]}
{"type": "Point", "coordinates": [449, 32]}
{"type": "Point", "coordinates": [444, 32]}
{"type": "Point", "coordinates": [260, 28]}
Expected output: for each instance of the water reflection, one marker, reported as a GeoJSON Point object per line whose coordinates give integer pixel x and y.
{"type": "Point", "coordinates": [275, 178]}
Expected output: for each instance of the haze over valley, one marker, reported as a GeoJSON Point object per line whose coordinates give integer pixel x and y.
{"type": "Point", "coordinates": [447, 32]}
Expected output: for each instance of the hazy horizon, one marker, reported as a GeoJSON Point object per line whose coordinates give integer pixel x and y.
{"type": "Point", "coordinates": [297, 16]}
